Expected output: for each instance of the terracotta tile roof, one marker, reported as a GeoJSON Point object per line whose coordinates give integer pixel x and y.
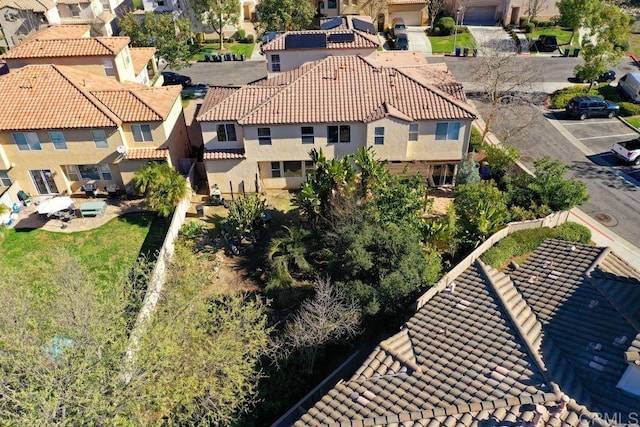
{"type": "Point", "coordinates": [361, 40]}
{"type": "Point", "coordinates": [504, 348]}
{"type": "Point", "coordinates": [224, 154]}
{"type": "Point", "coordinates": [55, 32]}
{"type": "Point", "coordinates": [334, 89]}
{"type": "Point", "coordinates": [146, 153]}
{"type": "Point", "coordinates": [407, 1]}
{"type": "Point", "coordinates": [140, 56]}
{"type": "Point", "coordinates": [57, 97]}
{"type": "Point", "coordinates": [41, 6]}
{"type": "Point", "coordinates": [64, 47]}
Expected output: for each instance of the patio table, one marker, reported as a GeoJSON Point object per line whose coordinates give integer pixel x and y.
{"type": "Point", "coordinates": [93, 208]}
{"type": "Point", "coordinates": [55, 204]}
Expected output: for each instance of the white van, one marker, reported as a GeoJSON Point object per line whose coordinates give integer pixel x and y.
{"type": "Point", "coordinates": [398, 27]}
{"type": "Point", "coordinates": [629, 84]}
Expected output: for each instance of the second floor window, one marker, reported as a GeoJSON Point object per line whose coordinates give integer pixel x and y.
{"type": "Point", "coordinates": [332, 4]}
{"type": "Point", "coordinates": [5, 181]}
{"type": "Point", "coordinates": [378, 136]}
{"type": "Point", "coordinates": [227, 132]}
{"type": "Point", "coordinates": [307, 134]}
{"type": "Point", "coordinates": [57, 138]}
{"type": "Point", "coordinates": [337, 134]}
{"type": "Point", "coordinates": [27, 141]}
{"type": "Point", "coordinates": [75, 9]}
{"type": "Point", "coordinates": [413, 131]}
{"type": "Point", "coordinates": [275, 63]}
{"type": "Point", "coordinates": [99, 138]}
{"type": "Point", "coordinates": [447, 131]}
{"type": "Point", "coordinates": [264, 136]}
{"type": "Point", "coordinates": [100, 172]}
{"type": "Point", "coordinates": [109, 71]}
{"type": "Point", "coordinates": [141, 133]}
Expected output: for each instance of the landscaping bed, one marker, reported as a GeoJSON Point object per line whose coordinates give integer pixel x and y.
{"type": "Point", "coordinates": [211, 47]}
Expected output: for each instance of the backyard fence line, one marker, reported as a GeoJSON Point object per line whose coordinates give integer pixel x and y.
{"type": "Point", "coordinates": [551, 220]}
{"type": "Point", "coordinates": [154, 288]}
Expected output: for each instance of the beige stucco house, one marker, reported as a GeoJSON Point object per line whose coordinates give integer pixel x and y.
{"type": "Point", "coordinates": [259, 136]}
{"type": "Point", "coordinates": [71, 45]}
{"type": "Point", "coordinates": [488, 12]}
{"type": "Point", "coordinates": [61, 128]}
{"type": "Point", "coordinates": [348, 35]}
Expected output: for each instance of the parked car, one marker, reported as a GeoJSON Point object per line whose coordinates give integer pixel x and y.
{"type": "Point", "coordinates": [171, 78]}
{"type": "Point", "coordinates": [629, 86]}
{"type": "Point", "coordinates": [591, 106]}
{"type": "Point", "coordinates": [547, 44]}
{"type": "Point", "coordinates": [607, 77]}
{"type": "Point", "coordinates": [402, 42]}
{"type": "Point", "coordinates": [397, 27]}
{"type": "Point", "coordinates": [628, 151]}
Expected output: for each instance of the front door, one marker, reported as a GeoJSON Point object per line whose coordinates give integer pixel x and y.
{"type": "Point", "coordinates": [43, 180]}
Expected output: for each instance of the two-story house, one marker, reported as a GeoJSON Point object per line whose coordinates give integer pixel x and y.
{"type": "Point", "coordinates": [71, 45]}
{"type": "Point", "coordinates": [339, 36]}
{"type": "Point", "coordinates": [61, 128]}
{"type": "Point", "coordinates": [259, 136]}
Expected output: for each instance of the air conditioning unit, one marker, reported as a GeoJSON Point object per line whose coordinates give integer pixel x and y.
{"type": "Point", "coordinates": [11, 16]}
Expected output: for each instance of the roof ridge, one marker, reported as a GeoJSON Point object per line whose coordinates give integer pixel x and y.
{"type": "Point", "coordinates": [131, 91]}
{"type": "Point", "coordinates": [386, 346]}
{"type": "Point", "coordinates": [462, 408]}
{"type": "Point", "coordinates": [533, 347]}
{"type": "Point", "coordinates": [99, 40]}
{"type": "Point", "coordinates": [90, 97]}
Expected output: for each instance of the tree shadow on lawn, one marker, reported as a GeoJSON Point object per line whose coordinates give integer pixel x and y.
{"type": "Point", "coordinates": [158, 227]}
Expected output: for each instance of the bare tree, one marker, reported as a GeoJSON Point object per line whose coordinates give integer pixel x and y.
{"type": "Point", "coordinates": [435, 7]}
{"type": "Point", "coordinates": [533, 7]}
{"type": "Point", "coordinates": [504, 83]}
{"type": "Point", "coordinates": [374, 8]}
{"type": "Point", "coordinates": [326, 318]}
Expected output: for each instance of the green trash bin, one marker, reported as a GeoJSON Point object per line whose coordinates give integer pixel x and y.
{"type": "Point", "coordinates": [465, 51]}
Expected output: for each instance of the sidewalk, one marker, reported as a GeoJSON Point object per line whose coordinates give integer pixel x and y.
{"type": "Point", "coordinates": [600, 235]}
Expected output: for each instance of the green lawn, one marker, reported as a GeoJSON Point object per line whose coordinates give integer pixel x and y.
{"type": "Point", "coordinates": [633, 121]}
{"type": "Point", "coordinates": [137, 4]}
{"type": "Point", "coordinates": [444, 44]}
{"type": "Point", "coordinates": [563, 35]}
{"type": "Point", "coordinates": [237, 48]}
{"type": "Point", "coordinates": [109, 251]}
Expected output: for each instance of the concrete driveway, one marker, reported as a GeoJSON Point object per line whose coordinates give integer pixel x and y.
{"type": "Point", "coordinates": [418, 40]}
{"type": "Point", "coordinates": [491, 38]}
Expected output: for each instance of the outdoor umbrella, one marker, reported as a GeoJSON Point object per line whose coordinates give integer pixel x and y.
{"type": "Point", "coordinates": [55, 204]}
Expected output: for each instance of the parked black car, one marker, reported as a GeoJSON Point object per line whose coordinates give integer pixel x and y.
{"type": "Point", "coordinates": [547, 44]}
{"type": "Point", "coordinates": [591, 106]}
{"type": "Point", "coordinates": [171, 78]}
{"type": "Point", "coordinates": [607, 77]}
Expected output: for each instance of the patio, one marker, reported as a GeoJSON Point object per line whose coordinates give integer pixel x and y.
{"type": "Point", "coordinates": [28, 217]}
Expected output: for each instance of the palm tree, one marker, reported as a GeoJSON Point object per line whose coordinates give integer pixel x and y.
{"type": "Point", "coordinates": [162, 186]}
{"type": "Point", "coordinates": [287, 254]}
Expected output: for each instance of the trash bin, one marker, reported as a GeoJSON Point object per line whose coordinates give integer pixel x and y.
{"type": "Point", "coordinates": [200, 211]}
{"type": "Point", "coordinates": [227, 57]}
{"type": "Point", "coordinates": [475, 52]}
{"type": "Point", "coordinates": [457, 51]}
{"type": "Point", "coordinates": [207, 57]}
{"type": "Point", "coordinates": [222, 57]}
{"type": "Point", "coordinates": [234, 57]}
{"type": "Point", "coordinates": [465, 51]}
{"type": "Point", "coordinates": [243, 57]}
{"type": "Point", "coordinates": [576, 52]}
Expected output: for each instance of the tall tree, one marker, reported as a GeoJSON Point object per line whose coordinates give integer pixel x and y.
{"type": "Point", "coordinates": [608, 30]}
{"type": "Point", "coordinates": [283, 15]}
{"type": "Point", "coordinates": [170, 37]}
{"type": "Point", "coordinates": [574, 13]}
{"type": "Point", "coordinates": [162, 186]}
{"type": "Point", "coordinates": [500, 75]}
{"type": "Point", "coordinates": [217, 14]}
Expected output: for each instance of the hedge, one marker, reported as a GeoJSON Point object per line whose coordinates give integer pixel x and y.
{"type": "Point", "coordinates": [525, 241]}
{"type": "Point", "coordinates": [629, 109]}
{"type": "Point", "coordinates": [446, 25]}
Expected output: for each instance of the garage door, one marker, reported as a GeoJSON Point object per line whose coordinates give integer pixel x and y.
{"type": "Point", "coordinates": [409, 18]}
{"type": "Point", "coordinates": [483, 15]}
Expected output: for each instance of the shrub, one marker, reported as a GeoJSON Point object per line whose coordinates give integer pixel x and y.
{"type": "Point", "coordinates": [560, 98]}
{"type": "Point", "coordinates": [629, 109]}
{"type": "Point", "coordinates": [446, 25]}
{"type": "Point", "coordinates": [200, 38]}
{"type": "Point", "coordinates": [191, 229]}
{"type": "Point", "coordinates": [529, 27]}
{"type": "Point", "coordinates": [475, 140]}
{"type": "Point", "coordinates": [573, 232]}
{"type": "Point", "coordinates": [524, 20]}
{"type": "Point", "coordinates": [241, 34]}
{"type": "Point", "coordinates": [623, 45]}
{"type": "Point", "coordinates": [231, 40]}
{"type": "Point", "coordinates": [250, 39]}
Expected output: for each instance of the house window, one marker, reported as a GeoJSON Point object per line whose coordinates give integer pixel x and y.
{"type": "Point", "coordinates": [308, 167]}
{"type": "Point", "coordinates": [275, 170]}
{"type": "Point", "coordinates": [332, 4]}
{"type": "Point", "coordinates": [5, 181]}
{"type": "Point", "coordinates": [293, 168]}
{"type": "Point", "coordinates": [226, 132]}
{"type": "Point", "coordinates": [57, 138]}
{"type": "Point", "coordinates": [264, 136]}
{"type": "Point", "coordinates": [413, 131]}
{"type": "Point", "coordinates": [127, 55]}
{"type": "Point", "coordinates": [448, 131]}
{"type": "Point", "coordinates": [307, 134]}
{"type": "Point", "coordinates": [275, 63]}
{"type": "Point", "coordinates": [378, 136]}
{"type": "Point", "coordinates": [340, 133]}
{"type": "Point", "coordinates": [141, 133]}
{"type": "Point", "coordinates": [99, 138]}
{"type": "Point", "coordinates": [27, 141]}
{"type": "Point", "coordinates": [89, 172]}
{"type": "Point", "coordinates": [75, 9]}
{"type": "Point", "coordinates": [109, 71]}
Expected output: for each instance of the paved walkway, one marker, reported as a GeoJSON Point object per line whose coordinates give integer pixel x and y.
{"type": "Point", "coordinates": [491, 38]}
